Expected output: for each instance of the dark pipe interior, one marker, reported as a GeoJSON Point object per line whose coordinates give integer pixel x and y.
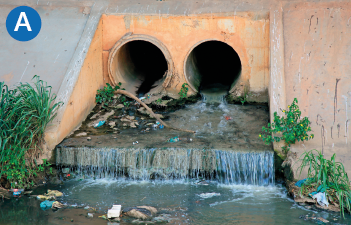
{"type": "Point", "coordinates": [216, 64]}
{"type": "Point", "coordinates": [148, 62]}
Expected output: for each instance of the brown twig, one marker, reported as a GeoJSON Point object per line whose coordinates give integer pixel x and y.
{"type": "Point", "coordinates": [150, 111]}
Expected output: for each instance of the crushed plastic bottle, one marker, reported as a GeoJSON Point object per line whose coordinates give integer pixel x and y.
{"type": "Point", "coordinates": [17, 192]}
{"type": "Point", "coordinates": [99, 124]}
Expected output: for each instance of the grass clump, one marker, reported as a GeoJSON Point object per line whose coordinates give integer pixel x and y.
{"type": "Point", "coordinates": [288, 128]}
{"type": "Point", "coordinates": [25, 112]}
{"type": "Point", "coordinates": [326, 175]}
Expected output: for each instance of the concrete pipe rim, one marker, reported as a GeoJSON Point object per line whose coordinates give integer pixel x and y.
{"type": "Point", "coordinates": [129, 37]}
{"type": "Point", "coordinates": [191, 50]}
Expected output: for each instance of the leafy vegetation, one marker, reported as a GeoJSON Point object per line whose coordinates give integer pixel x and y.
{"type": "Point", "coordinates": [105, 95]}
{"type": "Point", "coordinates": [25, 112]}
{"type": "Point", "coordinates": [324, 175]}
{"type": "Point", "coordinates": [183, 91]}
{"type": "Point", "coordinates": [289, 128]}
{"type": "Point", "coordinates": [244, 97]}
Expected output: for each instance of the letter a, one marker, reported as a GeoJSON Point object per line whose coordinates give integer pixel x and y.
{"type": "Point", "coordinates": [25, 24]}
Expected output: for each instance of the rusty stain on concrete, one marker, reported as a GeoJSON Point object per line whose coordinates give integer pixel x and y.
{"type": "Point", "coordinates": [7, 77]}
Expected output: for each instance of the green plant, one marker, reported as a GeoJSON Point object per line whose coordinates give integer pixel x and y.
{"type": "Point", "coordinates": [327, 176]}
{"type": "Point", "coordinates": [105, 95]}
{"type": "Point", "coordinates": [183, 91]}
{"type": "Point", "coordinates": [244, 97]}
{"type": "Point", "coordinates": [126, 103]}
{"type": "Point", "coordinates": [289, 128]}
{"type": "Point", "coordinates": [158, 101]}
{"type": "Point", "coordinates": [25, 112]}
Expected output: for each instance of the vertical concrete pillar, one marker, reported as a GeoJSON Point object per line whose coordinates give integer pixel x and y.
{"type": "Point", "coordinates": [277, 93]}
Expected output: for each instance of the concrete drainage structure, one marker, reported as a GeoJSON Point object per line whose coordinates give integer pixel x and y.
{"type": "Point", "coordinates": [287, 49]}
{"type": "Point", "coordinates": [141, 63]}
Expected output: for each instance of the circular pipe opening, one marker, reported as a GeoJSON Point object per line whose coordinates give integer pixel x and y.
{"type": "Point", "coordinates": [140, 65]}
{"type": "Point", "coordinates": [212, 66]}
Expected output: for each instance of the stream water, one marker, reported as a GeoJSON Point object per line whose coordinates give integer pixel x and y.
{"type": "Point", "coordinates": [225, 175]}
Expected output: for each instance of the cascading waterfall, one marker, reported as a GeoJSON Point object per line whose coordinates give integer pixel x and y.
{"type": "Point", "coordinates": [228, 167]}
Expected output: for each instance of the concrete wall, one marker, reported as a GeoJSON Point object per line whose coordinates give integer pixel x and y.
{"type": "Point", "coordinates": [247, 33]}
{"type": "Point", "coordinates": [317, 50]}
{"type": "Point", "coordinates": [294, 48]}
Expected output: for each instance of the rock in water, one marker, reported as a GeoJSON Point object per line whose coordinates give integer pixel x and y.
{"type": "Point", "coordinates": [140, 212]}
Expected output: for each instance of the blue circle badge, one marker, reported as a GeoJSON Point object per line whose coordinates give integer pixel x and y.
{"type": "Point", "coordinates": [23, 23]}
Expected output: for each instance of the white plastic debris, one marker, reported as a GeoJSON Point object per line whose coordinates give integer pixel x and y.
{"type": "Point", "coordinates": [90, 215]}
{"type": "Point", "coordinates": [141, 98]}
{"type": "Point", "coordinates": [321, 199]}
{"type": "Point", "coordinates": [209, 195]}
{"type": "Point", "coordinates": [114, 212]}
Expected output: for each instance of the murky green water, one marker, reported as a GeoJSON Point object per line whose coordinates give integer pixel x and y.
{"type": "Point", "coordinates": [237, 204]}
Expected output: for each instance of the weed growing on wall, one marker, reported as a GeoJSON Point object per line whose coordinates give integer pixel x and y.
{"type": "Point", "coordinates": [288, 128]}
{"type": "Point", "coordinates": [324, 175]}
{"type": "Point", "coordinates": [183, 91]}
{"type": "Point", "coordinates": [25, 112]}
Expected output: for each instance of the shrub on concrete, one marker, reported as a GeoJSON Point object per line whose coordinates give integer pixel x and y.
{"type": "Point", "coordinates": [288, 128]}
{"type": "Point", "coordinates": [25, 112]}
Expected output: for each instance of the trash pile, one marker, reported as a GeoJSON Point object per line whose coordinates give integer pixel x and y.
{"type": "Point", "coordinates": [317, 198]}
{"type": "Point", "coordinates": [50, 200]}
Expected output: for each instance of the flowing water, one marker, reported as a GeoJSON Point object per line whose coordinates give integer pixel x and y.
{"type": "Point", "coordinates": [222, 175]}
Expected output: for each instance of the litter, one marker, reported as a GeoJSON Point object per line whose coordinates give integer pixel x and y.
{"type": "Point", "coordinates": [209, 195]}
{"type": "Point", "coordinates": [114, 212]}
{"type": "Point", "coordinates": [321, 199]}
{"type": "Point", "coordinates": [46, 204]}
{"type": "Point", "coordinates": [134, 143]}
{"type": "Point", "coordinates": [141, 98]}
{"type": "Point", "coordinates": [17, 192]}
{"type": "Point", "coordinates": [175, 139]}
{"type": "Point", "coordinates": [300, 182]}
{"type": "Point", "coordinates": [65, 170]}
{"type": "Point", "coordinates": [99, 124]}
{"type": "Point", "coordinates": [228, 117]}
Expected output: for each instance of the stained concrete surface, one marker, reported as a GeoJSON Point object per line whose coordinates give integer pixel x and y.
{"type": "Point", "coordinates": [300, 48]}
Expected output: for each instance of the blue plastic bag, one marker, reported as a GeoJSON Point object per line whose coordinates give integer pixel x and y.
{"type": "Point", "coordinates": [46, 205]}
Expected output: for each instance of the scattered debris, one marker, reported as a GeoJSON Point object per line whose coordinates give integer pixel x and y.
{"type": "Point", "coordinates": [46, 204]}
{"type": "Point", "coordinates": [65, 170]}
{"type": "Point", "coordinates": [136, 142]}
{"type": "Point", "coordinates": [321, 199]}
{"type": "Point", "coordinates": [89, 138]}
{"type": "Point", "coordinates": [57, 205]}
{"type": "Point", "coordinates": [174, 139]}
{"type": "Point", "coordinates": [81, 134]}
{"type": "Point", "coordinates": [51, 195]}
{"type": "Point", "coordinates": [90, 215]}
{"type": "Point", "coordinates": [16, 192]}
{"type": "Point", "coordinates": [228, 117]}
{"type": "Point", "coordinates": [114, 212]}
{"type": "Point", "coordinates": [99, 124]}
